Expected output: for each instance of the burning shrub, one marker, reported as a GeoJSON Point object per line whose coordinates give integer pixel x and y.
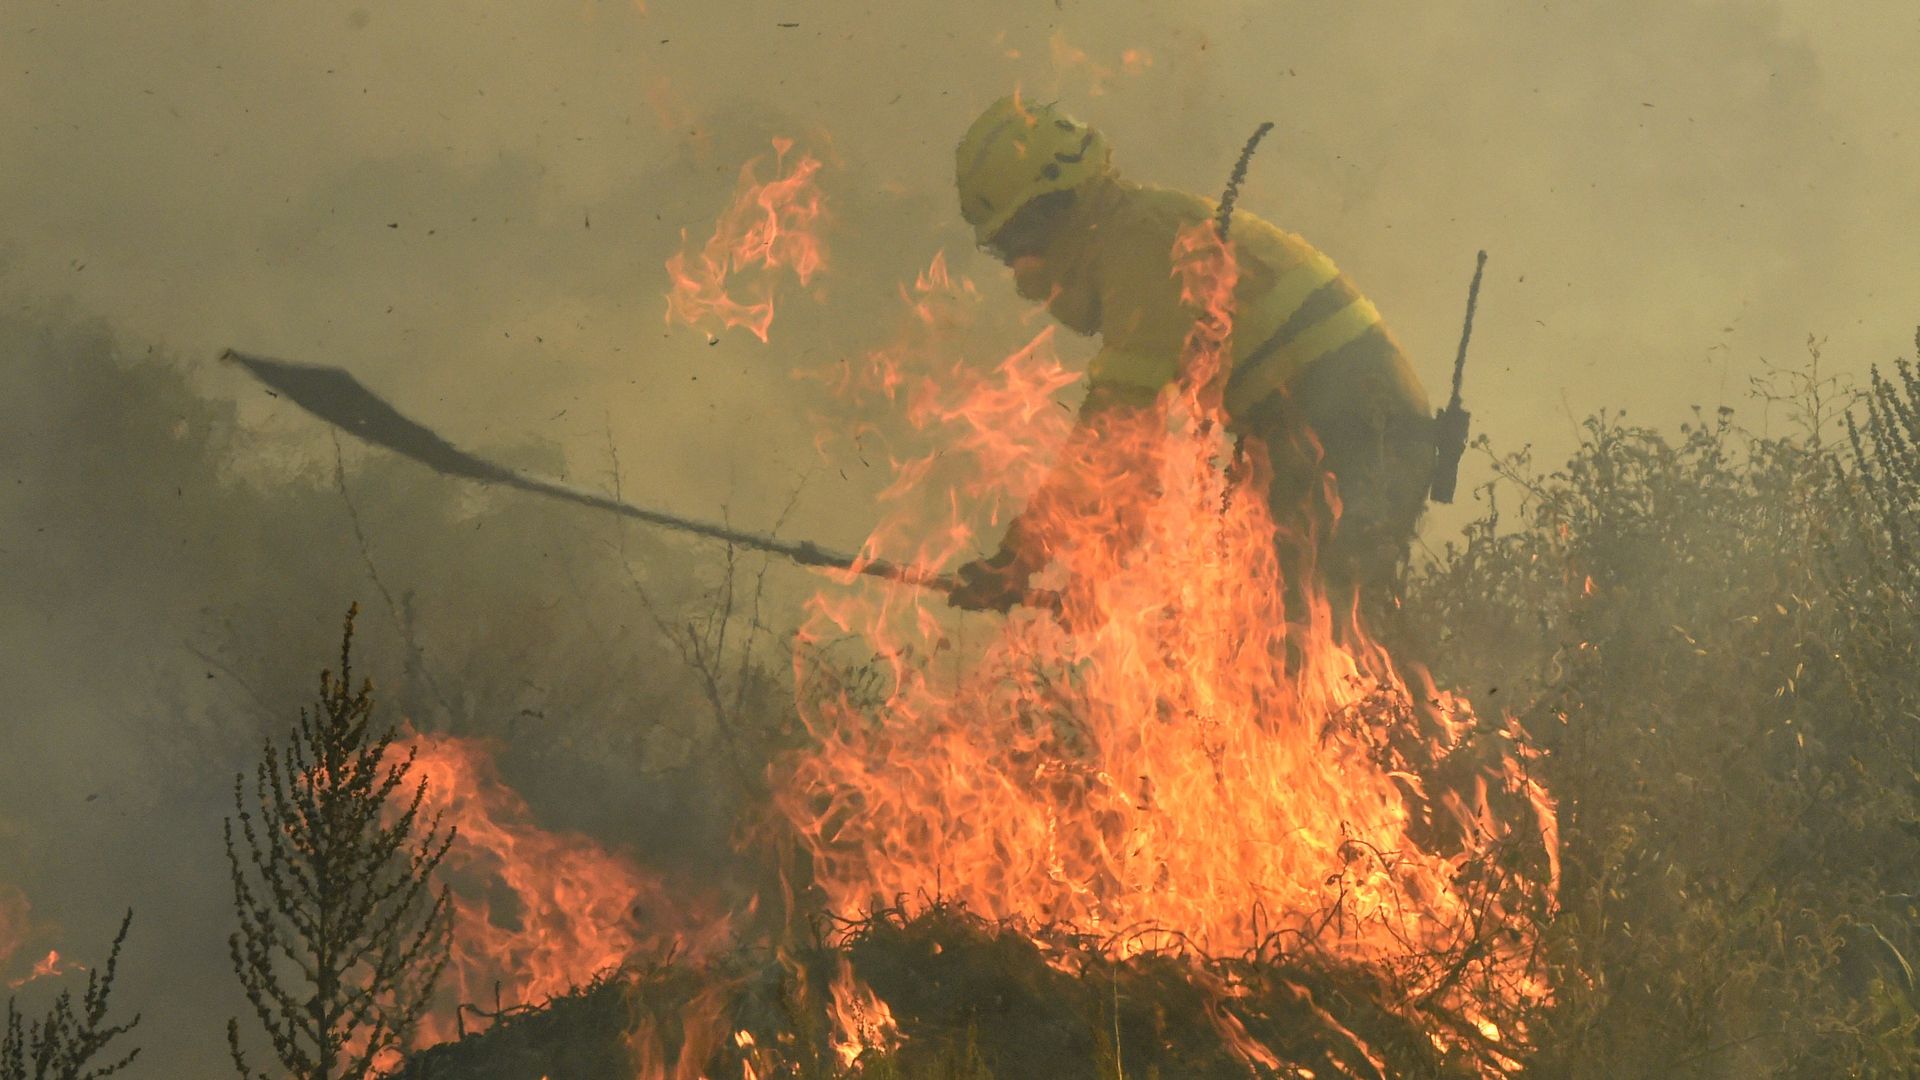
{"type": "Point", "coordinates": [1189, 751]}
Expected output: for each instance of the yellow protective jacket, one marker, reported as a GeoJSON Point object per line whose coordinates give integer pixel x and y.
{"type": "Point", "coordinates": [1109, 271]}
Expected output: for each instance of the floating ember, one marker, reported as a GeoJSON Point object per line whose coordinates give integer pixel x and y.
{"type": "Point", "coordinates": [15, 927]}
{"type": "Point", "coordinates": [1070, 60]}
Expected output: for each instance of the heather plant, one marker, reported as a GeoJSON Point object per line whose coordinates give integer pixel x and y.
{"type": "Point", "coordinates": [1885, 571]}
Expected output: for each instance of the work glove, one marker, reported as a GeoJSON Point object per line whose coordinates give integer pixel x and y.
{"type": "Point", "coordinates": [994, 584]}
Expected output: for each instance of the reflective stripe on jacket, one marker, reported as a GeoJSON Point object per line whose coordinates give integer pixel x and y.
{"type": "Point", "coordinates": [1110, 273]}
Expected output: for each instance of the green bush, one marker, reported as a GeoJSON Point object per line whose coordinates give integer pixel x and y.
{"type": "Point", "coordinates": [1701, 633]}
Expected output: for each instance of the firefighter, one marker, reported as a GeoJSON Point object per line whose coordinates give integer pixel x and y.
{"type": "Point", "coordinates": [1316, 381]}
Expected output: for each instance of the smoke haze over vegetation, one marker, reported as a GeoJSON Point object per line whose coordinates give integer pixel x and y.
{"type": "Point", "coordinates": [470, 206]}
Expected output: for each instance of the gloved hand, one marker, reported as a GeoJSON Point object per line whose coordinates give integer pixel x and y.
{"type": "Point", "coordinates": [994, 584]}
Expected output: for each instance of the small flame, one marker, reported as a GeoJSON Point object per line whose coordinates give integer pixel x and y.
{"type": "Point", "coordinates": [543, 912]}
{"type": "Point", "coordinates": [49, 966]}
{"type": "Point", "coordinates": [755, 1063]}
{"type": "Point", "coordinates": [1251, 1051]}
{"type": "Point", "coordinates": [862, 1022]}
{"type": "Point", "coordinates": [1069, 59]}
{"type": "Point", "coordinates": [768, 227]}
{"type": "Point", "coordinates": [16, 925]}
{"type": "Point", "coordinates": [702, 1032]}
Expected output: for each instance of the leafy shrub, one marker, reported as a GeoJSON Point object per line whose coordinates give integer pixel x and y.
{"type": "Point", "coordinates": [1687, 626]}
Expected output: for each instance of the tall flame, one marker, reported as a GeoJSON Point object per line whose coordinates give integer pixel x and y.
{"type": "Point", "coordinates": [768, 227]}
{"type": "Point", "coordinates": [1173, 758]}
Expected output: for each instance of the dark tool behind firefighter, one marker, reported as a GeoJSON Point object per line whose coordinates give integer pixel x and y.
{"type": "Point", "coordinates": [1310, 352]}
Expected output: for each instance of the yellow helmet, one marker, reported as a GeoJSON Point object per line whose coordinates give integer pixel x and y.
{"type": "Point", "coordinates": [1017, 152]}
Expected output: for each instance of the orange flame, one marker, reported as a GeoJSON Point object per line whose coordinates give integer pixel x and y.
{"type": "Point", "coordinates": [1175, 760]}
{"type": "Point", "coordinates": [543, 912]}
{"type": "Point", "coordinates": [767, 227]}
{"type": "Point", "coordinates": [755, 1062]}
{"type": "Point", "coordinates": [47, 967]}
{"type": "Point", "coordinates": [861, 1021]}
{"type": "Point", "coordinates": [701, 1033]}
{"type": "Point", "coordinates": [16, 925]}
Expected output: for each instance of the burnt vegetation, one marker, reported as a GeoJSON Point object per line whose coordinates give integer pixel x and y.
{"type": "Point", "coordinates": [1712, 632]}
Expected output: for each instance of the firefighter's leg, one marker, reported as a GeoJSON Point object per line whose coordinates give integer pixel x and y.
{"type": "Point", "coordinates": [1382, 482]}
{"type": "Point", "coordinates": [1297, 496]}
{"type": "Point", "coordinates": [1382, 464]}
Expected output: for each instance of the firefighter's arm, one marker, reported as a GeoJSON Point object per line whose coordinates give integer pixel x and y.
{"type": "Point", "coordinates": [998, 582]}
{"type": "Point", "coordinates": [1143, 326]}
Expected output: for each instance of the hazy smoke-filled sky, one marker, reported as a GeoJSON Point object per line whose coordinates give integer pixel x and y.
{"type": "Point", "coordinates": [470, 205]}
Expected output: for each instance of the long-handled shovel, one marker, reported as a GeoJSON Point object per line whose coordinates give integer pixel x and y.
{"type": "Point", "coordinates": [338, 398]}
